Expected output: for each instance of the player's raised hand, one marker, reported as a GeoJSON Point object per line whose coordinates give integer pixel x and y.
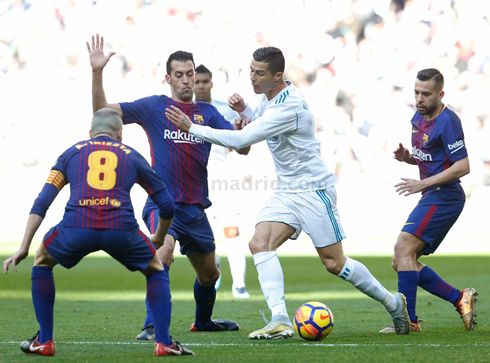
{"type": "Point", "coordinates": [96, 53]}
{"type": "Point", "coordinates": [401, 153]}
{"type": "Point", "coordinates": [15, 259]}
{"type": "Point", "coordinates": [240, 123]}
{"type": "Point", "coordinates": [237, 103]}
{"type": "Point", "coordinates": [178, 118]}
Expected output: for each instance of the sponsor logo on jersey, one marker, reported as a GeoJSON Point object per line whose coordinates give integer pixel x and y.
{"type": "Point", "coordinates": [272, 139]}
{"type": "Point", "coordinates": [180, 137]}
{"type": "Point", "coordinates": [198, 119]}
{"type": "Point", "coordinates": [425, 139]}
{"type": "Point", "coordinates": [420, 155]}
{"type": "Point", "coordinates": [99, 201]}
{"type": "Point", "coordinates": [458, 145]}
{"type": "Point", "coordinates": [414, 131]}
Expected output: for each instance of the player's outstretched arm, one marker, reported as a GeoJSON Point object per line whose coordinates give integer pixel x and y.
{"type": "Point", "coordinates": [402, 154]}
{"type": "Point", "coordinates": [98, 61]}
{"type": "Point", "coordinates": [33, 224]}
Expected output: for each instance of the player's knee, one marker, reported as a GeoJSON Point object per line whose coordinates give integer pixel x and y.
{"type": "Point", "coordinates": [333, 266]}
{"type": "Point", "coordinates": [209, 279]}
{"type": "Point", "coordinates": [166, 254]}
{"type": "Point", "coordinates": [394, 265]}
{"type": "Point", "coordinates": [257, 245]}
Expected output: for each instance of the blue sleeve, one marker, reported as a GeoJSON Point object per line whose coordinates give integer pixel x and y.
{"type": "Point", "coordinates": [138, 111]}
{"type": "Point", "coordinates": [453, 139]}
{"type": "Point", "coordinates": [165, 203]}
{"type": "Point", "coordinates": [55, 182]}
{"type": "Point", "coordinates": [217, 120]}
{"type": "Point", "coordinates": [154, 186]}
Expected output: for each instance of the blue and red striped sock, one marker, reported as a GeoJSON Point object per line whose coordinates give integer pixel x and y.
{"type": "Point", "coordinates": [149, 316]}
{"type": "Point", "coordinates": [43, 294]}
{"type": "Point", "coordinates": [159, 300]}
{"type": "Point", "coordinates": [205, 297]}
{"type": "Point", "coordinates": [407, 285]}
{"type": "Point", "coordinates": [430, 281]}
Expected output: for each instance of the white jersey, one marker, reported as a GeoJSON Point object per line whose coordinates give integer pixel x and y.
{"type": "Point", "coordinates": [288, 126]}
{"type": "Point", "coordinates": [218, 153]}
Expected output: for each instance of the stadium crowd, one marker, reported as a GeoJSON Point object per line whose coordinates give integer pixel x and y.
{"type": "Point", "coordinates": [355, 61]}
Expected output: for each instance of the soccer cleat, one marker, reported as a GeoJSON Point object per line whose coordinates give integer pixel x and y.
{"type": "Point", "coordinates": [147, 333]}
{"type": "Point", "coordinates": [414, 327]}
{"type": "Point", "coordinates": [400, 315]}
{"type": "Point", "coordinates": [175, 349]}
{"type": "Point", "coordinates": [240, 293]}
{"type": "Point", "coordinates": [32, 346]}
{"type": "Point", "coordinates": [219, 325]}
{"type": "Point", "coordinates": [273, 330]}
{"type": "Point", "coordinates": [218, 264]}
{"type": "Point", "coordinates": [466, 307]}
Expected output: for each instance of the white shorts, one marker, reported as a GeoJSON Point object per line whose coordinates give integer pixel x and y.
{"type": "Point", "coordinates": [314, 212]}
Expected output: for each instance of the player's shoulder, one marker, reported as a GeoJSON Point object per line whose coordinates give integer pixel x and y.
{"type": "Point", "coordinates": [450, 117]}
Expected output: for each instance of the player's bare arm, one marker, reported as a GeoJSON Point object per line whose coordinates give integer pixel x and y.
{"type": "Point", "coordinates": [33, 224]}
{"type": "Point", "coordinates": [402, 154]}
{"type": "Point", "coordinates": [411, 186]}
{"type": "Point", "coordinates": [98, 61]}
{"type": "Point", "coordinates": [237, 103]}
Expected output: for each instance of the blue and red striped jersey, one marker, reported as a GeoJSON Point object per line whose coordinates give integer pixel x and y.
{"type": "Point", "coordinates": [178, 157]}
{"type": "Point", "coordinates": [101, 172]}
{"type": "Point", "coordinates": [437, 144]}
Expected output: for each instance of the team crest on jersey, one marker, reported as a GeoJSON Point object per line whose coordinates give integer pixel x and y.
{"type": "Point", "coordinates": [425, 139]}
{"type": "Point", "coordinates": [198, 119]}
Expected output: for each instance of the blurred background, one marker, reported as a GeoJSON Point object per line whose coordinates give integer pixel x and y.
{"type": "Point", "coordinates": [355, 62]}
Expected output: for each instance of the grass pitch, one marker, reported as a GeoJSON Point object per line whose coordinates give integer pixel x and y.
{"type": "Point", "coordinates": [100, 309]}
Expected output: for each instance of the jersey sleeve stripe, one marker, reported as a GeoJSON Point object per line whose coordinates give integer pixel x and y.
{"type": "Point", "coordinates": [57, 179]}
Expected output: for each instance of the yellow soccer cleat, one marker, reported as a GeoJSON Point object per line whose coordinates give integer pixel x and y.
{"type": "Point", "coordinates": [273, 330]}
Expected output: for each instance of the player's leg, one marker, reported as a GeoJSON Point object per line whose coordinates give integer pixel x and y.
{"type": "Point", "coordinates": [166, 254]}
{"type": "Point", "coordinates": [237, 261]}
{"type": "Point", "coordinates": [267, 238]}
{"type": "Point", "coordinates": [43, 295]}
{"type": "Point", "coordinates": [136, 251]}
{"type": "Point", "coordinates": [207, 274]}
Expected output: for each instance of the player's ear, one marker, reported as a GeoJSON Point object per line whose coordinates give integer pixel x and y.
{"type": "Point", "coordinates": [441, 95]}
{"type": "Point", "coordinates": [90, 133]}
{"type": "Point", "coordinates": [278, 77]}
{"type": "Point", "coordinates": [212, 84]}
{"type": "Point", "coordinates": [119, 134]}
{"type": "Point", "coordinates": [167, 79]}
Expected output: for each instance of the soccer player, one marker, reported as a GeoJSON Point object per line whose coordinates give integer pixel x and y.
{"type": "Point", "coordinates": [219, 169]}
{"type": "Point", "coordinates": [305, 197]}
{"type": "Point", "coordinates": [439, 150]}
{"type": "Point", "coordinates": [99, 216]}
{"type": "Point", "coordinates": [180, 159]}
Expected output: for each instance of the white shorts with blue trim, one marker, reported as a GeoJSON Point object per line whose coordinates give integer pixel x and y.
{"type": "Point", "coordinates": [315, 212]}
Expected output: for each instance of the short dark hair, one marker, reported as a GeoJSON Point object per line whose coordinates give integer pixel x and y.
{"type": "Point", "coordinates": [431, 74]}
{"type": "Point", "coordinates": [179, 56]}
{"type": "Point", "coordinates": [273, 57]}
{"type": "Point", "coordinates": [201, 69]}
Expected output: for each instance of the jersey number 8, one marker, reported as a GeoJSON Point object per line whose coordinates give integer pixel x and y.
{"type": "Point", "coordinates": [102, 169]}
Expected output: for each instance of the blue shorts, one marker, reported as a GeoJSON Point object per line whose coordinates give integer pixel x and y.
{"type": "Point", "coordinates": [190, 227]}
{"type": "Point", "coordinates": [69, 245]}
{"type": "Point", "coordinates": [432, 219]}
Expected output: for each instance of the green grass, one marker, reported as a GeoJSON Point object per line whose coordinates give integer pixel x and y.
{"type": "Point", "coordinates": [100, 301]}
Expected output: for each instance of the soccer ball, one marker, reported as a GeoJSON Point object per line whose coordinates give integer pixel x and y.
{"type": "Point", "coordinates": [313, 321]}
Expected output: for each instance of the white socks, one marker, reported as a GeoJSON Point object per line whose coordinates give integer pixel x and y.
{"type": "Point", "coordinates": [359, 276]}
{"type": "Point", "coordinates": [236, 258]}
{"type": "Point", "coordinates": [271, 281]}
